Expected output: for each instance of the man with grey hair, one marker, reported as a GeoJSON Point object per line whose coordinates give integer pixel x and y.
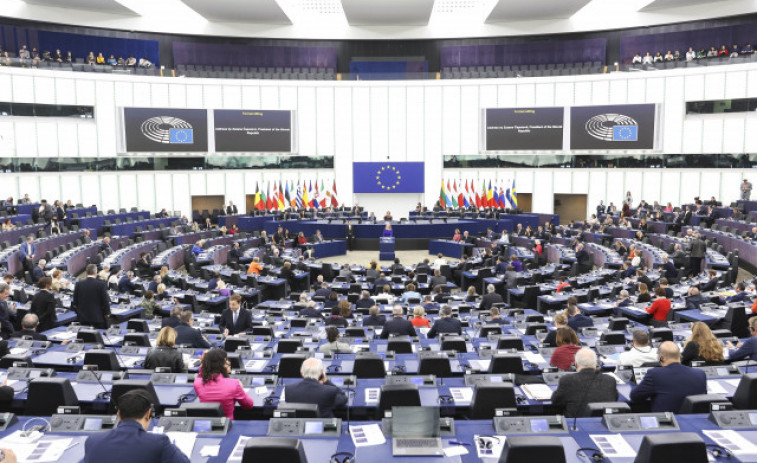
{"type": "Point", "coordinates": [91, 301]}
{"type": "Point", "coordinates": [6, 327]}
{"type": "Point", "coordinates": [490, 298]}
{"type": "Point", "coordinates": [365, 301]}
{"type": "Point", "coordinates": [445, 324]}
{"type": "Point", "coordinates": [641, 351]}
{"type": "Point", "coordinates": [29, 325]}
{"type": "Point", "coordinates": [39, 270]}
{"type": "Point", "coordinates": [315, 388]}
{"type": "Point", "coordinates": [624, 299]}
{"type": "Point", "coordinates": [587, 385]}
{"type": "Point", "coordinates": [398, 326]}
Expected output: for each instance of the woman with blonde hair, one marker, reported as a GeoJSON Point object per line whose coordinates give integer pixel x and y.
{"type": "Point", "coordinates": [164, 354]}
{"type": "Point", "coordinates": [644, 295]}
{"type": "Point", "coordinates": [419, 320]}
{"type": "Point", "coordinates": [702, 346]}
{"type": "Point", "coordinates": [165, 278]}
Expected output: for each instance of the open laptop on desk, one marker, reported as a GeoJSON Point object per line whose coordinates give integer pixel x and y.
{"type": "Point", "coordinates": [420, 431]}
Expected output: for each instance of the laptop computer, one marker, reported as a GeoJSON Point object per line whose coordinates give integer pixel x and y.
{"type": "Point", "coordinates": [416, 431]}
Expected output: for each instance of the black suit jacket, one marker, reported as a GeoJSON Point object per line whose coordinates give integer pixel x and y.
{"type": "Point", "coordinates": [309, 391]}
{"type": "Point", "coordinates": [91, 301]}
{"type": "Point", "coordinates": [398, 326]}
{"type": "Point", "coordinates": [576, 390]}
{"type": "Point", "coordinates": [232, 209]}
{"type": "Point", "coordinates": [37, 273]}
{"type": "Point", "coordinates": [375, 320]}
{"type": "Point", "coordinates": [366, 303]}
{"type": "Point", "coordinates": [31, 333]}
{"type": "Point", "coordinates": [669, 386]}
{"type": "Point", "coordinates": [310, 312]}
{"type": "Point", "coordinates": [488, 299]}
{"type": "Point", "coordinates": [234, 255]}
{"type": "Point", "coordinates": [244, 321]}
{"type": "Point", "coordinates": [185, 334]}
{"type": "Point", "coordinates": [173, 322]}
{"type": "Point", "coordinates": [445, 325]}
{"type": "Point", "coordinates": [43, 306]}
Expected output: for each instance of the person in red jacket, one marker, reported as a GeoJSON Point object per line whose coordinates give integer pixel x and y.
{"type": "Point", "coordinates": [567, 345]}
{"type": "Point", "coordinates": [660, 307]}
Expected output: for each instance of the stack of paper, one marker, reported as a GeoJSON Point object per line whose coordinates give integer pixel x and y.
{"type": "Point", "coordinates": [185, 441]}
{"type": "Point", "coordinates": [366, 435]}
{"type": "Point", "coordinates": [613, 445]}
{"type": "Point", "coordinates": [238, 452]}
{"type": "Point", "coordinates": [372, 395]}
{"type": "Point", "coordinates": [714, 387]}
{"type": "Point", "coordinates": [462, 395]}
{"type": "Point", "coordinates": [537, 391]}
{"type": "Point", "coordinates": [732, 441]}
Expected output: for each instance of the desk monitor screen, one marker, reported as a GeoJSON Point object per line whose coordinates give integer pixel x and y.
{"type": "Point", "coordinates": [539, 425]}
{"type": "Point", "coordinates": [201, 426]}
{"type": "Point", "coordinates": [415, 421]}
{"type": "Point", "coordinates": [106, 376]}
{"type": "Point", "coordinates": [314, 427]}
{"type": "Point", "coordinates": [722, 372]}
{"type": "Point", "coordinates": [649, 422]}
{"type": "Point", "coordinates": [753, 418]}
{"type": "Point", "coordinates": [417, 380]}
{"type": "Point", "coordinates": [180, 379]}
{"type": "Point", "coordinates": [35, 374]}
{"type": "Point", "coordinates": [93, 424]}
{"type": "Point", "coordinates": [198, 353]}
{"type": "Point", "coordinates": [258, 381]}
{"type": "Point", "coordinates": [337, 381]}
{"type": "Point", "coordinates": [495, 379]}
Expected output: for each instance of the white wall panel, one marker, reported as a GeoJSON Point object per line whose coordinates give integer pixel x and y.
{"type": "Point", "coordinates": [526, 95]}
{"type": "Point", "coordinates": [416, 122]}
{"type": "Point", "coordinates": [87, 139]}
{"type": "Point", "coordinates": [451, 120]}
{"type": "Point", "coordinates": [618, 91]}
{"type": "Point", "coordinates": [750, 135]}
{"type": "Point", "coordinates": [47, 138]}
{"type": "Point", "coordinates": [164, 193]}
{"type": "Point", "coordinates": [124, 94]}
{"type": "Point", "coordinates": [580, 181]}
{"type": "Point", "coordinates": [651, 190]}
{"type": "Point", "coordinates": [714, 86]}
{"type": "Point", "coordinates": [142, 95]}
{"type": "Point", "coordinates": [23, 89]}
{"type": "Point", "coordinates": [633, 182]}
{"type": "Point", "coordinates": [71, 188]}
{"type": "Point", "coordinates": [616, 191]}
{"type": "Point", "coordinates": [235, 189]}
{"type": "Point", "coordinates": [343, 141]}
{"type": "Point", "coordinates": [562, 182]}
{"type": "Point", "coordinates": [670, 191]}
{"type": "Point", "coordinates": [232, 97]}
{"type": "Point", "coordinates": [6, 87]}
{"type": "Point", "coordinates": [65, 90]}
{"type": "Point", "coordinates": [269, 97]}
{"type": "Point", "coordinates": [582, 93]}
{"type": "Point", "coordinates": [712, 131]}
{"type": "Point", "coordinates": [146, 194]}
{"type": "Point", "coordinates": [709, 185]}
{"type": "Point", "coordinates": [545, 94]}
{"type": "Point", "coordinates": [433, 141]}
{"type": "Point", "coordinates": [198, 184]}
{"type": "Point", "coordinates": [214, 183]}
{"type": "Point", "coordinates": [159, 95]}
{"type": "Point", "coordinates": [730, 181]}
{"type": "Point", "coordinates": [68, 139]}
{"type": "Point", "coordinates": [127, 184]}
{"type": "Point", "coordinates": [470, 123]}
{"type": "Point", "coordinates": [251, 97]}
{"type": "Point", "coordinates": [600, 92]}
{"type": "Point", "coordinates": [182, 200]}
{"type": "Point", "coordinates": [692, 135]}
{"type": "Point", "coordinates": [733, 135]}
{"type": "Point", "coordinates": [689, 185]}
{"type": "Point", "coordinates": [564, 94]}
{"type": "Point", "coordinates": [44, 90]}
{"type": "Point", "coordinates": [49, 187]}
{"type": "Point", "coordinates": [288, 97]}
{"type": "Point", "coordinates": [379, 123]}
{"type": "Point", "coordinates": [7, 139]}
{"type": "Point", "coordinates": [325, 120]}
{"type": "Point", "coordinates": [177, 96]}
{"type": "Point", "coordinates": [506, 96]}
{"type": "Point", "coordinates": [655, 90]}
{"type": "Point", "coordinates": [307, 126]}
{"type": "Point", "coordinates": [694, 87]}
{"type": "Point", "coordinates": [361, 124]}
{"type": "Point", "coordinates": [109, 191]}
{"type": "Point", "coordinates": [397, 120]}
{"type": "Point", "coordinates": [195, 96]}
{"type": "Point", "coordinates": [105, 119]}
{"type": "Point", "coordinates": [212, 96]}
{"type": "Point", "coordinates": [736, 84]}
{"type": "Point", "coordinates": [26, 137]}
{"type": "Point", "coordinates": [542, 198]}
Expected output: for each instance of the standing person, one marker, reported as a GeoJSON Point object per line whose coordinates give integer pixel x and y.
{"type": "Point", "coordinates": [43, 305]}
{"type": "Point", "coordinates": [6, 327]}
{"type": "Point", "coordinates": [91, 301]}
{"type": "Point", "coordinates": [746, 190]}
{"type": "Point", "coordinates": [235, 319]}
{"type": "Point", "coordinates": [696, 254]}
{"type": "Point", "coordinates": [350, 234]}
{"type": "Point", "coordinates": [26, 254]}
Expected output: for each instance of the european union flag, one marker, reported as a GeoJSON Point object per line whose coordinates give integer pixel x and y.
{"type": "Point", "coordinates": [388, 177]}
{"type": "Point", "coordinates": [181, 136]}
{"type": "Point", "coordinates": [625, 133]}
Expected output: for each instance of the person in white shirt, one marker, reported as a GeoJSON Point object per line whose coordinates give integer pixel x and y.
{"type": "Point", "coordinates": [387, 294]}
{"type": "Point", "coordinates": [440, 260]}
{"type": "Point", "coordinates": [669, 56]}
{"type": "Point", "coordinates": [636, 59]}
{"type": "Point", "coordinates": [505, 238]}
{"type": "Point", "coordinates": [691, 55]}
{"type": "Point", "coordinates": [640, 353]}
{"type": "Point", "coordinates": [647, 59]}
{"type": "Point", "coordinates": [144, 63]}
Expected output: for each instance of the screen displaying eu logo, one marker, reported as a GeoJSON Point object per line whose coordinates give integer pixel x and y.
{"type": "Point", "coordinates": [181, 136]}
{"type": "Point", "coordinates": [388, 177]}
{"type": "Point", "coordinates": [625, 133]}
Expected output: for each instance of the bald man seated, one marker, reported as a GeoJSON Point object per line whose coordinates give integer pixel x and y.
{"type": "Point", "coordinates": [668, 385]}
{"type": "Point", "coordinates": [587, 385]}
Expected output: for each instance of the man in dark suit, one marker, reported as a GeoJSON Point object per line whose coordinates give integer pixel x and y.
{"type": "Point", "coordinates": [365, 301]}
{"type": "Point", "coordinates": [398, 326]}
{"type": "Point", "coordinates": [437, 279]}
{"type": "Point", "coordinates": [491, 297]}
{"type": "Point", "coordinates": [695, 300]}
{"type": "Point", "coordinates": [712, 282]}
{"type": "Point", "coordinates": [587, 385]}
{"type": "Point", "coordinates": [350, 234]}
{"type": "Point", "coordinates": [380, 282]}
{"type": "Point", "coordinates": [315, 388]}
{"type": "Point", "coordinates": [144, 270]}
{"type": "Point", "coordinates": [667, 386]}
{"type": "Point", "coordinates": [423, 267]}
{"type": "Point", "coordinates": [173, 320]}
{"type": "Point", "coordinates": [671, 272]}
{"type": "Point", "coordinates": [278, 237]}
{"type": "Point", "coordinates": [696, 254]}
{"type": "Point", "coordinates": [576, 319]}
{"type": "Point", "coordinates": [43, 305]}
{"type": "Point", "coordinates": [373, 318]}
{"type": "Point", "coordinates": [235, 253]}
{"type": "Point", "coordinates": [235, 319]}
{"type": "Point", "coordinates": [231, 209]}
{"type": "Point", "coordinates": [45, 211]}
{"type": "Point", "coordinates": [584, 259]}
{"type": "Point", "coordinates": [641, 277]}
{"type": "Point", "coordinates": [186, 335]}
{"type": "Point", "coordinates": [91, 300]}
{"type": "Point", "coordinates": [445, 324]}
{"type": "Point", "coordinates": [39, 270]}
{"type": "Point", "coordinates": [323, 292]}
{"type": "Point", "coordinates": [125, 285]}
{"type": "Point", "coordinates": [130, 441]}
{"type": "Point", "coordinates": [29, 326]}
{"type": "Point", "coordinates": [310, 311]}
{"type": "Point", "coordinates": [601, 208]}
{"type": "Point", "coordinates": [26, 253]}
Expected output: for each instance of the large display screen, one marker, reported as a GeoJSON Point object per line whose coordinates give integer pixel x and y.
{"type": "Point", "coordinates": [253, 131]}
{"type": "Point", "coordinates": [615, 127]}
{"type": "Point", "coordinates": [165, 130]}
{"type": "Point", "coordinates": [509, 129]}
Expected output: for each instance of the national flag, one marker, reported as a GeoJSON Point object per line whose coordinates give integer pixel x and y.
{"type": "Point", "coordinates": [452, 195]}
{"type": "Point", "coordinates": [305, 197]}
{"type": "Point", "coordinates": [501, 198]}
{"type": "Point", "coordinates": [286, 200]}
{"type": "Point", "coordinates": [324, 195]}
{"type": "Point", "coordinates": [466, 194]}
{"type": "Point", "coordinates": [442, 197]}
{"type": "Point", "coordinates": [268, 200]}
{"type": "Point", "coordinates": [460, 195]}
{"type": "Point", "coordinates": [334, 200]}
{"type": "Point", "coordinates": [316, 196]}
{"type": "Point", "coordinates": [256, 198]}
{"type": "Point", "coordinates": [489, 195]}
{"type": "Point", "coordinates": [514, 196]}
{"type": "Point", "coordinates": [299, 195]}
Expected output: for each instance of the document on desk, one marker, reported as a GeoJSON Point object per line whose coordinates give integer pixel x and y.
{"type": "Point", "coordinates": [185, 441]}
{"type": "Point", "coordinates": [238, 452]}
{"type": "Point", "coordinates": [613, 445]}
{"type": "Point", "coordinates": [530, 357]}
{"type": "Point", "coordinates": [255, 366]}
{"type": "Point", "coordinates": [537, 391]}
{"type": "Point", "coordinates": [64, 336]}
{"type": "Point", "coordinates": [480, 364]}
{"type": "Point", "coordinates": [367, 435]}
{"type": "Point", "coordinates": [732, 382]}
{"type": "Point", "coordinates": [462, 395]}
{"type": "Point", "coordinates": [714, 387]}
{"type": "Point", "coordinates": [17, 350]}
{"type": "Point", "coordinates": [372, 395]}
{"type": "Point", "coordinates": [41, 451]}
{"type": "Point", "coordinates": [732, 441]}
{"type": "Point", "coordinates": [130, 362]}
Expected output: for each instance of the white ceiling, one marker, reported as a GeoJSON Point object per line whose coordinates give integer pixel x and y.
{"type": "Point", "coordinates": [371, 19]}
{"type": "Point", "coordinates": [257, 11]}
{"type": "Point", "coordinates": [387, 12]}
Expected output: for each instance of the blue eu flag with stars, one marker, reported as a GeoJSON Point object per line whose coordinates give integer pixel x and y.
{"type": "Point", "coordinates": [182, 136]}
{"type": "Point", "coordinates": [625, 133]}
{"type": "Point", "coordinates": [388, 177]}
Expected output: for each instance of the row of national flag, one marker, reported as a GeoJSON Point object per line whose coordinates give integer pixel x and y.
{"type": "Point", "coordinates": [458, 193]}
{"type": "Point", "coordinates": [300, 194]}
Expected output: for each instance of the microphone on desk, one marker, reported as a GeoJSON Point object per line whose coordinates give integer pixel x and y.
{"type": "Point", "coordinates": [106, 393]}
{"type": "Point", "coordinates": [118, 356]}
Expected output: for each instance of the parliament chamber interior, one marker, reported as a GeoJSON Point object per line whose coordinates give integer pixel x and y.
{"type": "Point", "coordinates": [353, 231]}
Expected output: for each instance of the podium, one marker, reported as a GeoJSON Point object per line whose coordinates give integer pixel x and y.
{"type": "Point", "coordinates": [386, 249]}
